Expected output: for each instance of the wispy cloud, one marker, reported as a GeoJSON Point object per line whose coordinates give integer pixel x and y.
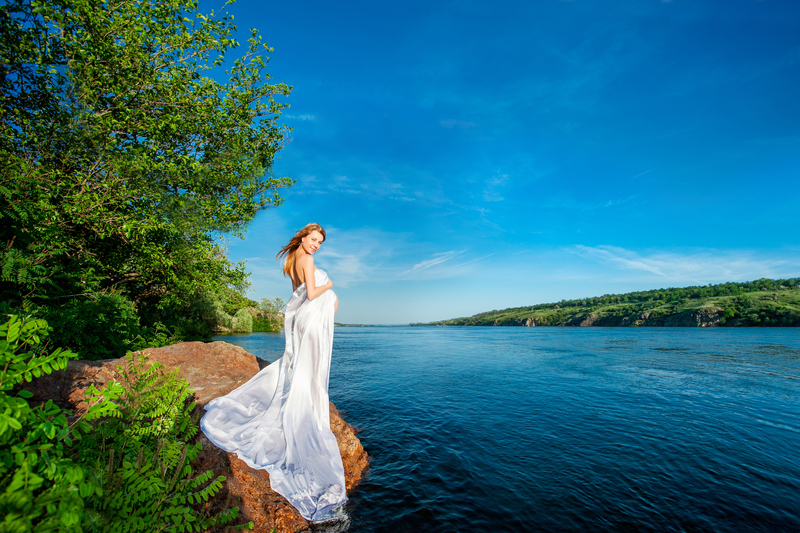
{"type": "Point", "coordinates": [356, 255]}
{"type": "Point", "coordinates": [569, 203]}
{"type": "Point", "coordinates": [343, 185]}
{"type": "Point", "coordinates": [300, 117]}
{"type": "Point", "coordinates": [452, 123]}
{"type": "Point", "coordinates": [437, 259]}
{"type": "Point", "coordinates": [442, 265]}
{"type": "Point", "coordinates": [702, 266]}
{"type": "Point", "coordinates": [491, 193]}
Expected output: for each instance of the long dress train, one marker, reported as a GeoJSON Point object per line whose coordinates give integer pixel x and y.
{"type": "Point", "coordinates": [279, 420]}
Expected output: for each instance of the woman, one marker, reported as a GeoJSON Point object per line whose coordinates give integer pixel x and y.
{"type": "Point", "coordinates": [279, 420]}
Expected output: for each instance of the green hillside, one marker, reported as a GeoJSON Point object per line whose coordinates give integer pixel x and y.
{"type": "Point", "coordinates": [763, 302]}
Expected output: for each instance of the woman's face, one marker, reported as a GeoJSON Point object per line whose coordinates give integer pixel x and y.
{"type": "Point", "coordinates": [312, 242]}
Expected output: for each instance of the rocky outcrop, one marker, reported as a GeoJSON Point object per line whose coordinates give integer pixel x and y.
{"type": "Point", "coordinates": [698, 318]}
{"type": "Point", "coordinates": [212, 370]}
{"type": "Point", "coordinates": [639, 319]}
{"type": "Point", "coordinates": [528, 322]}
{"type": "Point", "coordinates": [582, 320]}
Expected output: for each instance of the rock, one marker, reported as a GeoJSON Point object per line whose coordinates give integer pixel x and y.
{"type": "Point", "coordinates": [581, 320]}
{"type": "Point", "coordinates": [212, 370]}
{"type": "Point", "coordinates": [528, 322]}
{"type": "Point", "coordinates": [638, 319]}
{"type": "Point", "coordinates": [354, 458]}
{"type": "Point", "coordinates": [701, 318]}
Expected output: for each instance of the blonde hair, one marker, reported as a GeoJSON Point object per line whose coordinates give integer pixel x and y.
{"type": "Point", "coordinates": [290, 249]}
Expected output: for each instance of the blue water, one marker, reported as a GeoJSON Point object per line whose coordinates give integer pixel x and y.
{"type": "Point", "coordinates": [562, 429]}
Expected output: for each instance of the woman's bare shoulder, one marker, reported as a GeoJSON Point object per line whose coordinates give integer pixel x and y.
{"type": "Point", "coordinates": [304, 260]}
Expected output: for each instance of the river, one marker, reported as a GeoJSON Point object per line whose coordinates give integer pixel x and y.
{"type": "Point", "coordinates": [569, 429]}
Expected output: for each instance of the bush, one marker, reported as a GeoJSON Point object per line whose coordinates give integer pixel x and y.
{"type": "Point", "coordinates": [131, 471]}
{"type": "Point", "coordinates": [261, 323]}
{"type": "Point", "coordinates": [242, 321]}
{"type": "Point", "coordinates": [142, 455]}
{"type": "Point", "coordinates": [41, 486]}
{"type": "Point", "coordinates": [104, 326]}
{"type": "Point", "coordinates": [272, 315]}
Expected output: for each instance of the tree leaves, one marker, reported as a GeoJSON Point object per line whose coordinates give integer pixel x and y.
{"type": "Point", "coordinates": [124, 159]}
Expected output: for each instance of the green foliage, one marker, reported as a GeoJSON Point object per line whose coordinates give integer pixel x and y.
{"type": "Point", "coordinates": [762, 302]}
{"type": "Point", "coordinates": [242, 321]}
{"type": "Point", "coordinates": [270, 317]}
{"type": "Point", "coordinates": [42, 488]}
{"type": "Point", "coordinates": [260, 323]}
{"type": "Point", "coordinates": [231, 300]}
{"type": "Point", "coordinates": [142, 458]}
{"type": "Point", "coordinates": [106, 322]}
{"type": "Point", "coordinates": [121, 159]}
{"type": "Point", "coordinates": [125, 465]}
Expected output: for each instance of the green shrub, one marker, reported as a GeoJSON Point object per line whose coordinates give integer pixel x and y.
{"type": "Point", "coordinates": [104, 326]}
{"type": "Point", "coordinates": [243, 321]}
{"type": "Point", "coordinates": [142, 458]}
{"type": "Point", "coordinates": [261, 323]}
{"type": "Point", "coordinates": [42, 487]}
{"type": "Point", "coordinates": [123, 466]}
{"type": "Point", "coordinates": [224, 319]}
{"type": "Point", "coordinates": [272, 311]}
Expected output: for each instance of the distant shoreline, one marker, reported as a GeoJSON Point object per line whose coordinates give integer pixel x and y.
{"type": "Point", "coordinates": [759, 303]}
{"type": "Point", "coordinates": [338, 325]}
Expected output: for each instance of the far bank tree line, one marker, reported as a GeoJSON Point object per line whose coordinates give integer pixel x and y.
{"type": "Point", "coordinates": [763, 302]}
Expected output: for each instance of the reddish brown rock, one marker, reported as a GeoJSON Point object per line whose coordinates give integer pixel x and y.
{"type": "Point", "coordinates": [212, 369]}
{"type": "Point", "coordinates": [354, 457]}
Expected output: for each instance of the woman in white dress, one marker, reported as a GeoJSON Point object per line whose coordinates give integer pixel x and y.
{"type": "Point", "coordinates": [279, 420]}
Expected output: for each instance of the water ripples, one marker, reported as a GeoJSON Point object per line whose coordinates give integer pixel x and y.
{"type": "Point", "coordinates": [559, 429]}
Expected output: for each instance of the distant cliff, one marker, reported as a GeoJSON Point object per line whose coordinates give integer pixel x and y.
{"type": "Point", "coordinates": [763, 302]}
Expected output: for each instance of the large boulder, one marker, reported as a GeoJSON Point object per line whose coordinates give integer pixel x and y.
{"type": "Point", "coordinates": [212, 369]}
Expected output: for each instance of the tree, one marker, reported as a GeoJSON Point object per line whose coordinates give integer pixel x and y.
{"type": "Point", "coordinates": [273, 312]}
{"type": "Point", "coordinates": [242, 321]}
{"type": "Point", "coordinates": [122, 158]}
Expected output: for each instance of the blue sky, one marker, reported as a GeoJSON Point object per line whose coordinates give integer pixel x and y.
{"type": "Point", "coordinates": [469, 156]}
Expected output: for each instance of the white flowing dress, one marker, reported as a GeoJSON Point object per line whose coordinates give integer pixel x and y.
{"type": "Point", "coordinates": [279, 420]}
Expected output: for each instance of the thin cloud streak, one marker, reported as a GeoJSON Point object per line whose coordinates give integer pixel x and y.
{"type": "Point", "coordinates": [437, 259]}
{"type": "Point", "coordinates": [461, 124]}
{"type": "Point", "coordinates": [707, 266]}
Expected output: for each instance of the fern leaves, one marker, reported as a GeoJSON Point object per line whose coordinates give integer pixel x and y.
{"type": "Point", "coordinates": [123, 466]}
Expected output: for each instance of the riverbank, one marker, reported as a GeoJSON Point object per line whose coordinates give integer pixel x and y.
{"type": "Point", "coordinates": [758, 303]}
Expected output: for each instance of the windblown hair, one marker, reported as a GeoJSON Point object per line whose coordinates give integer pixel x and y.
{"type": "Point", "coordinates": [290, 249]}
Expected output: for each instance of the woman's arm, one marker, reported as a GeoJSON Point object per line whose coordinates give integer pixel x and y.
{"type": "Point", "coordinates": [307, 266]}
